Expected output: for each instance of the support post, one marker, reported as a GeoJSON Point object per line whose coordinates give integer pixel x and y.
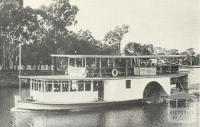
{"type": "Point", "coordinates": [31, 83]}
{"type": "Point", "coordinates": [100, 68]}
{"type": "Point", "coordinates": [75, 62]}
{"type": "Point", "coordinates": [82, 62]}
{"type": "Point", "coordinates": [52, 71]}
{"type": "Point", "coordinates": [126, 68]}
{"type": "Point", "coordinates": [20, 60]}
{"type": "Point", "coordinates": [95, 62]}
{"type": "Point", "coordinates": [139, 65]}
{"type": "Point", "coordinates": [52, 86]}
{"type": "Point", "coordinates": [131, 62]}
{"type": "Point", "coordinates": [108, 62]}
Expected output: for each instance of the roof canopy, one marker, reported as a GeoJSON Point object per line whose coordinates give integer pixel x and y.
{"type": "Point", "coordinates": [116, 56]}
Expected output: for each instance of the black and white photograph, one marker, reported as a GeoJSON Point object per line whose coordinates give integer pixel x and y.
{"type": "Point", "coordinates": [99, 63]}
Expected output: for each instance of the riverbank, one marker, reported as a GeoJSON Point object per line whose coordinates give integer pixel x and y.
{"type": "Point", "coordinates": [10, 78]}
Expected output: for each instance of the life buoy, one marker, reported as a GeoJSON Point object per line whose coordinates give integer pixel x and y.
{"type": "Point", "coordinates": [115, 72]}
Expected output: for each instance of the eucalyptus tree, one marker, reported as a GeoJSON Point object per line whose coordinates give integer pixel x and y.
{"type": "Point", "coordinates": [133, 48]}
{"type": "Point", "coordinates": [114, 37]}
{"type": "Point", "coordinates": [41, 29]}
{"type": "Point", "coordinates": [16, 26]}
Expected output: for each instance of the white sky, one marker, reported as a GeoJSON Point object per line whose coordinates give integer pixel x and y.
{"type": "Point", "coordinates": [165, 23]}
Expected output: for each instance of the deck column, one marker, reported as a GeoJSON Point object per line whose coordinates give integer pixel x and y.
{"type": "Point", "coordinates": [139, 65]}
{"type": "Point", "coordinates": [95, 61]}
{"type": "Point", "coordinates": [74, 62]}
{"type": "Point", "coordinates": [20, 63]}
{"type": "Point", "coordinates": [61, 84]}
{"type": "Point", "coordinates": [52, 86]}
{"type": "Point", "coordinates": [52, 61]}
{"type": "Point", "coordinates": [68, 62]}
{"type": "Point", "coordinates": [108, 62]}
{"type": "Point", "coordinates": [114, 63]}
{"type": "Point", "coordinates": [131, 62]}
{"type": "Point", "coordinates": [100, 68]}
{"type": "Point", "coordinates": [126, 68]}
{"type": "Point", "coordinates": [42, 85]}
{"type": "Point", "coordinates": [84, 85]}
{"type": "Point", "coordinates": [82, 62]}
{"type": "Point", "coordinates": [91, 84]}
{"type": "Point", "coordinates": [31, 83]}
{"type": "Point", "coordinates": [85, 63]}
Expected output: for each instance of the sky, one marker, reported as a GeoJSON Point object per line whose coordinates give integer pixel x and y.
{"type": "Point", "coordinates": [163, 23]}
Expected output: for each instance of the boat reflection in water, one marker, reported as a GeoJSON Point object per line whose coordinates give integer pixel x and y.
{"type": "Point", "coordinates": [139, 116]}
{"type": "Point", "coordinates": [182, 108]}
{"type": "Point", "coordinates": [99, 118]}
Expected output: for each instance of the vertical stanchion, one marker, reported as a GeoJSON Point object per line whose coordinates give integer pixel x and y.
{"type": "Point", "coordinates": [20, 70]}
{"type": "Point", "coordinates": [52, 69]}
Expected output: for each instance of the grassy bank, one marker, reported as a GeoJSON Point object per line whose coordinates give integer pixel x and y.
{"type": "Point", "coordinates": [10, 78]}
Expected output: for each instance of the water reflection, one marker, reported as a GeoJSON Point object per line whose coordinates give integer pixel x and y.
{"type": "Point", "coordinates": [129, 116]}
{"type": "Point", "coordinates": [137, 116]}
{"type": "Point", "coordinates": [142, 116]}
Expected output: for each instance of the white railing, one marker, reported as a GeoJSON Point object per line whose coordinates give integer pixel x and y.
{"type": "Point", "coordinates": [144, 71]}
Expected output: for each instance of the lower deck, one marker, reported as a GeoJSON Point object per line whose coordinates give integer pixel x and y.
{"type": "Point", "coordinates": [69, 90]}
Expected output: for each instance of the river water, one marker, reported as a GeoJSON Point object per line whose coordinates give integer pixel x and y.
{"type": "Point", "coordinates": [128, 116]}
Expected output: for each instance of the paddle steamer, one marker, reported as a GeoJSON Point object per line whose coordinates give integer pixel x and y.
{"type": "Point", "coordinates": [93, 81]}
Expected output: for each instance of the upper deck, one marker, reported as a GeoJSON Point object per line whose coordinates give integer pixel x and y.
{"type": "Point", "coordinates": [66, 77]}
{"type": "Point", "coordinates": [116, 66]}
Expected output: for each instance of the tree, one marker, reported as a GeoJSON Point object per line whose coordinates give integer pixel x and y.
{"type": "Point", "coordinates": [190, 55]}
{"type": "Point", "coordinates": [114, 37]}
{"type": "Point", "coordinates": [133, 48]}
{"type": "Point", "coordinates": [15, 27]}
{"type": "Point", "coordinates": [38, 28]}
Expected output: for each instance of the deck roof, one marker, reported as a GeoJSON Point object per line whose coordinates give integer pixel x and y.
{"type": "Point", "coordinates": [65, 77]}
{"type": "Point", "coordinates": [116, 56]}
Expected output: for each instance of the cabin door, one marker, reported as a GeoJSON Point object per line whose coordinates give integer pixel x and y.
{"type": "Point", "coordinates": [100, 91]}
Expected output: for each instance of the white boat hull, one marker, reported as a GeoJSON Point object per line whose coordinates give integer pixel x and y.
{"type": "Point", "coordinates": [29, 105]}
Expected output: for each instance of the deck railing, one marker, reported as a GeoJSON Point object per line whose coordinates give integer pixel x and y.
{"type": "Point", "coordinates": [110, 71]}
{"type": "Point", "coordinates": [130, 71]}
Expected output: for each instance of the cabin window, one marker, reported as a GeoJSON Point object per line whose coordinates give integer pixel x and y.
{"type": "Point", "coordinates": [87, 86]}
{"type": "Point", "coordinates": [95, 85]}
{"type": "Point", "coordinates": [73, 86]}
{"type": "Point", "coordinates": [91, 62]}
{"type": "Point", "coordinates": [172, 103]}
{"type": "Point", "coordinates": [80, 86]}
{"type": "Point", "coordinates": [182, 103]}
{"type": "Point", "coordinates": [39, 86]}
{"type": "Point", "coordinates": [65, 87]}
{"type": "Point", "coordinates": [72, 62]}
{"type": "Point", "coordinates": [128, 84]}
{"type": "Point", "coordinates": [36, 86]}
{"type": "Point", "coordinates": [111, 62]}
{"type": "Point", "coordinates": [48, 86]}
{"type": "Point", "coordinates": [56, 86]}
{"type": "Point", "coordinates": [79, 62]}
{"type": "Point", "coordinates": [32, 85]}
{"type": "Point", "coordinates": [42, 86]}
